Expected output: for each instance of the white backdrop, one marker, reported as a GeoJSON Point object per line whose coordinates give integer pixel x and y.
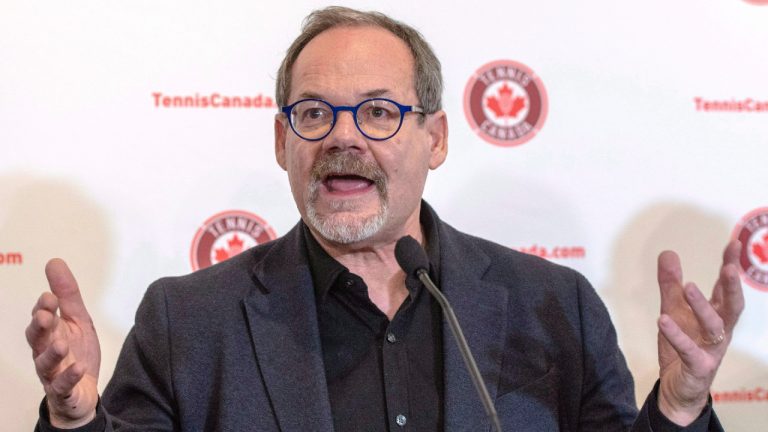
{"type": "Point", "coordinates": [96, 170]}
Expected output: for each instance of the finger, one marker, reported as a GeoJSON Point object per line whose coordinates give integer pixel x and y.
{"type": "Point", "coordinates": [39, 331]}
{"type": "Point", "coordinates": [685, 347]}
{"type": "Point", "coordinates": [712, 326]}
{"type": "Point", "coordinates": [64, 286]}
{"type": "Point", "coordinates": [730, 256]}
{"type": "Point", "coordinates": [46, 301]}
{"type": "Point", "coordinates": [64, 382]}
{"type": "Point", "coordinates": [732, 303]}
{"type": "Point", "coordinates": [48, 363]}
{"type": "Point", "coordinates": [732, 252]}
{"type": "Point", "coordinates": [670, 277]}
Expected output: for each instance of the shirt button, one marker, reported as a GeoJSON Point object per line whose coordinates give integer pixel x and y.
{"type": "Point", "coordinates": [400, 420]}
{"type": "Point", "coordinates": [392, 339]}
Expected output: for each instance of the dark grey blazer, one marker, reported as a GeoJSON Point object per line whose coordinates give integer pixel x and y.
{"type": "Point", "coordinates": [235, 347]}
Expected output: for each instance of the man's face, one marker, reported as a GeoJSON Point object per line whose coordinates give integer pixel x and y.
{"type": "Point", "coordinates": [348, 188]}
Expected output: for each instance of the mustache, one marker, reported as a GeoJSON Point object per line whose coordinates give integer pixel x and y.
{"type": "Point", "coordinates": [346, 163]}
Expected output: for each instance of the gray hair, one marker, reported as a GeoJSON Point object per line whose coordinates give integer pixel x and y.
{"type": "Point", "coordinates": [428, 78]}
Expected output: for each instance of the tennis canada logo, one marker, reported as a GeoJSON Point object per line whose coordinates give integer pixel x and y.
{"type": "Point", "coordinates": [225, 235]}
{"type": "Point", "coordinates": [505, 103]}
{"type": "Point", "coordinates": [752, 232]}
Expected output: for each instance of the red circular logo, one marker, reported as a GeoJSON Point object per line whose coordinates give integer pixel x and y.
{"type": "Point", "coordinates": [752, 232]}
{"type": "Point", "coordinates": [505, 103]}
{"type": "Point", "coordinates": [225, 235]}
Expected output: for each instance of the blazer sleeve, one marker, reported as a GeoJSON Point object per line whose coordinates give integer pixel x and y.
{"type": "Point", "coordinates": [651, 418]}
{"type": "Point", "coordinates": [140, 394]}
{"type": "Point", "coordinates": [607, 389]}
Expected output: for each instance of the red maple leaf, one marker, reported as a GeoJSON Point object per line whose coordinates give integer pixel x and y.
{"type": "Point", "coordinates": [234, 247]}
{"type": "Point", "coordinates": [761, 250]}
{"type": "Point", "coordinates": [505, 105]}
{"type": "Point", "coordinates": [221, 255]}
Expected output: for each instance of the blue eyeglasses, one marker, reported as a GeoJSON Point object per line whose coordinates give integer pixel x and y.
{"type": "Point", "coordinates": [377, 119]}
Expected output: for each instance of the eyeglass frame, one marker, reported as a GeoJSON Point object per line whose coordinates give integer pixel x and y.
{"type": "Point", "coordinates": [404, 109]}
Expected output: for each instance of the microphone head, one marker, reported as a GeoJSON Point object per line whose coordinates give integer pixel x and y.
{"type": "Point", "coordinates": [410, 255]}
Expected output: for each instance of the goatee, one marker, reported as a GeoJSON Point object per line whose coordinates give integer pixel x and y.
{"type": "Point", "coordinates": [340, 226]}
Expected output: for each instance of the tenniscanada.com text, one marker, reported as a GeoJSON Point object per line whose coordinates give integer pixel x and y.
{"type": "Point", "coordinates": [557, 252]}
{"type": "Point", "coordinates": [11, 258]}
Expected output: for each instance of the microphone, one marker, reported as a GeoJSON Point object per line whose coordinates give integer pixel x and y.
{"type": "Point", "coordinates": [413, 260]}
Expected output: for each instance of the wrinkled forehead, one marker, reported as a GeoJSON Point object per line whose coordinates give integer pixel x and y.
{"type": "Point", "coordinates": [351, 62]}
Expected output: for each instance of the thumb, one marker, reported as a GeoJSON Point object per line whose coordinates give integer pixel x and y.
{"type": "Point", "coordinates": [64, 287]}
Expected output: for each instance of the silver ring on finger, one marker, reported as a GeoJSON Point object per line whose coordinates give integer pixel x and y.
{"type": "Point", "coordinates": [714, 340]}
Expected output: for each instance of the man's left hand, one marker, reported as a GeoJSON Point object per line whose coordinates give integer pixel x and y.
{"type": "Point", "coordinates": [694, 334]}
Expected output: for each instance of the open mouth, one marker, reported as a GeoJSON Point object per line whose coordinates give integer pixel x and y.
{"type": "Point", "coordinates": [343, 174]}
{"type": "Point", "coordinates": [346, 183]}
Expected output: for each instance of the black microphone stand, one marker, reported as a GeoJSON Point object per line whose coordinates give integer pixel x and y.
{"type": "Point", "coordinates": [469, 361]}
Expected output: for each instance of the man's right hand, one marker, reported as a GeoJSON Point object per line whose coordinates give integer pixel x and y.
{"type": "Point", "coordinates": [66, 349]}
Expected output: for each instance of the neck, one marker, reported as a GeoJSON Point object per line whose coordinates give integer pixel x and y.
{"type": "Point", "coordinates": [374, 261]}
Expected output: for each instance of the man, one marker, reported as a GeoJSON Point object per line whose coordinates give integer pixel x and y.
{"type": "Point", "coordinates": [321, 329]}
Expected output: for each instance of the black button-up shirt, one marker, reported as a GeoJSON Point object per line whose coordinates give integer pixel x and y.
{"type": "Point", "coordinates": [382, 375]}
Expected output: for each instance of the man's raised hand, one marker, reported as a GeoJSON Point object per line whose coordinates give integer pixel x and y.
{"type": "Point", "coordinates": [65, 349]}
{"type": "Point", "coordinates": [694, 333]}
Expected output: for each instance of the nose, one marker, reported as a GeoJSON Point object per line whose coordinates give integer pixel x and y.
{"type": "Point", "coordinates": [345, 135]}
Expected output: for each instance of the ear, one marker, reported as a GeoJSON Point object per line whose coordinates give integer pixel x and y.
{"type": "Point", "coordinates": [281, 129]}
{"type": "Point", "coordinates": [437, 127]}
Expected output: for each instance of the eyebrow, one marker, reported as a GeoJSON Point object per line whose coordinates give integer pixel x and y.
{"type": "Point", "coordinates": [376, 93]}
{"type": "Point", "coordinates": [369, 94]}
{"type": "Point", "coordinates": [310, 95]}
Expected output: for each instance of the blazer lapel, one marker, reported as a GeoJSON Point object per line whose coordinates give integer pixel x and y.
{"type": "Point", "coordinates": [282, 317]}
{"type": "Point", "coordinates": [480, 307]}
